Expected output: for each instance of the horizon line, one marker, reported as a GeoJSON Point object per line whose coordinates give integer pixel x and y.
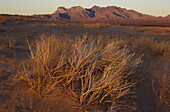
{"type": "Point", "coordinates": [31, 14]}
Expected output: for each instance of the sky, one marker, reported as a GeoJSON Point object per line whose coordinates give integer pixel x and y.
{"type": "Point", "coordinates": [29, 7]}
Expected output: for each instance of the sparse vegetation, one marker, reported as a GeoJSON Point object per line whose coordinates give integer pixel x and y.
{"type": "Point", "coordinates": [144, 45]}
{"type": "Point", "coordinates": [150, 46]}
{"type": "Point", "coordinates": [152, 30]}
{"type": "Point", "coordinates": [70, 71]}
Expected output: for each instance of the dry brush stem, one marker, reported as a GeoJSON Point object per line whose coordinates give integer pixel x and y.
{"type": "Point", "coordinates": [120, 106]}
{"type": "Point", "coordinates": [9, 42]}
{"type": "Point", "coordinates": [89, 70]}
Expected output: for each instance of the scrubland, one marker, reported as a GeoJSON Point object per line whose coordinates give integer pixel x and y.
{"type": "Point", "coordinates": [48, 66]}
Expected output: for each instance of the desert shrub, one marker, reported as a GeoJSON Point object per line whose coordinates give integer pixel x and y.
{"type": "Point", "coordinates": [68, 25]}
{"type": "Point", "coordinates": [161, 84]}
{"type": "Point", "coordinates": [50, 54]}
{"type": "Point", "coordinates": [148, 45]}
{"type": "Point", "coordinates": [90, 71]}
{"type": "Point", "coordinates": [158, 48]}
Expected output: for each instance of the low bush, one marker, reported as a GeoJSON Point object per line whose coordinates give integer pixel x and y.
{"type": "Point", "coordinates": [87, 69]}
{"type": "Point", "coordinates": [144, 45]}
{"type": "Point", "coordinates": [161, 84]}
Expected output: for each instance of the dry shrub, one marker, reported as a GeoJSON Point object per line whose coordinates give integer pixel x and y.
{"type": "Point", "coordinates": [50, 53]}
{"type": "Point", "coordinates": [68, 25]}
{"type": "Point", "coordinates": [122, 42]}
{"type": "Point", "coordinates": [90, 71]}
{"type": "Point", "coordinates": [140, 45]}
{"type": "Point", "coordinates": [161, 84]}
{"type": "Point", "coordinates": [147, 45]}
{"type": "Point", "coordinates": [158, 47]}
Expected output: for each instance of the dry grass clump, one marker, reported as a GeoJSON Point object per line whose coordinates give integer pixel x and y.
{"type": "Point", "coordinates": [150, 46]}
{"type": "Point", "coordinates": [144, 45]}
{"type": "Point", "coordinates": [161, 84]}
{"type": "Point", "coordinates": [90, 71]}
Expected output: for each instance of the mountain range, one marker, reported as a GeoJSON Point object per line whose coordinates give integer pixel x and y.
{"type": "Point", "coordinates": [109, 14]}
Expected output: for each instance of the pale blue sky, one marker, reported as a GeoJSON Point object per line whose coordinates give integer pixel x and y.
{"type": "Point", "coordinates": [29, 7]}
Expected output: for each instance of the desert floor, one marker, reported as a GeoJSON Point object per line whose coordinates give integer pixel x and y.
{"type": "Point", "coordinates": [16, 95]}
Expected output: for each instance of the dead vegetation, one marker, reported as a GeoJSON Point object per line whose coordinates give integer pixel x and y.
{"type": "Point", "coordinates": [142, 45]}
{"type": "Point", "coordinates": [161, 83]}
{"type": "Point", "coordinates": [90, 71]}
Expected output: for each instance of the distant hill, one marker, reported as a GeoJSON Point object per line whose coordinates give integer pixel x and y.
{"type": "Point", "coordinates": [111, 14]}
{"type": "Point", "coordinates": [167, 17]}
